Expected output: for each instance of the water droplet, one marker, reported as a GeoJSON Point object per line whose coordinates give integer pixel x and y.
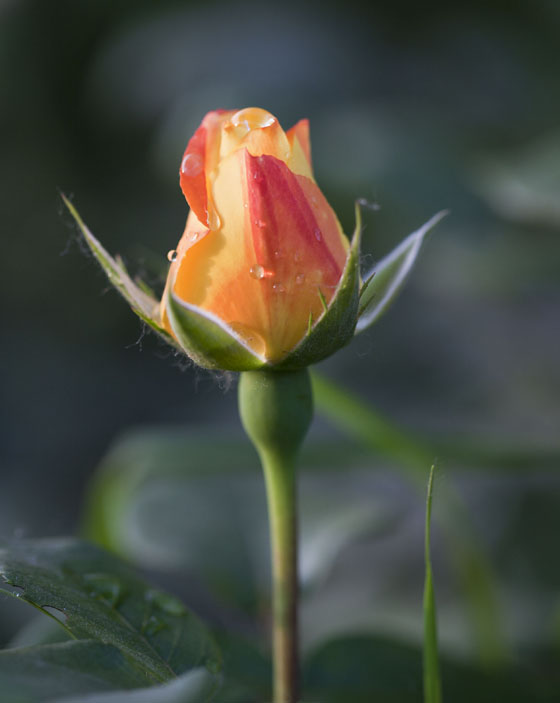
{"type": "Point", "coordinates": [213, 220]}
{"type": "Point", "coordinates": [317, 233]}
{"type": "Point", "coordinates": [245, 205]}
{"type": "Point", "coordinates": [258, 176]}
{"type": "Point", "coordinates": [368, 204]}
{"type": "Point", "coordinates": [278, 254]}
{"type": "Point", "coordinates": [300, 278]}
{"type": "Point", "coordinates": [172, 255]}
{"type": "Point", "coordinates": [55, 612]}
{"type": "Point", "coordinates": [153, 625]}
{"type": "Point", "coordinates": [250, 336]}
{"type": "Point", "coordinates": [261, 224]}
{"type": "Point", "coordinates": [166, 602]}
{"type": "Point", "coordinates": [104, 587]}
{"type": "Point", "coordinates": [278, 288]}
{"type": "Point", "coordinates": [252, 118]}
{"type": "Point", "coordinates": [257, 271]}
{"type": "Point", "coordinates": [191, 165]}
{"type": "Point", "coordinates": [193, 236]}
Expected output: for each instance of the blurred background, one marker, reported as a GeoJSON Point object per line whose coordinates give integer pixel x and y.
{"type": "Point", "coordinates": [415, 107]}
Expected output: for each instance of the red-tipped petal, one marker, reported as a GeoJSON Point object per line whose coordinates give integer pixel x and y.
{"type": "Point", "coordinates": [199, 160]}
{"type": "Point", "coordinates": [300, 131]}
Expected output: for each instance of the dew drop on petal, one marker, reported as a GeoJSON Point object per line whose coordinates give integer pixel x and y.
{"type": "Point", "coordinates": [317, 233]}
{"type": "Point", "coordinates": [277, 254]}
{"type": "Point", "coordinates": [278, 288]}
{"type": "Point", "coordinates": [213, 220]}
{"type": "Point", "coordinates": [252, 118]}
{"type": "Point", "coordinates": [257, 271]}
{"type": "Point", "coordinates": [250, 336]}
{"type": "Point", "coordinates": [300, 278]}
{"type": "Point", "coordinates": [193, 236]}
{"type": "Point", "coordinates": [191, 166]}
{"type": "Point", "coordinates": [172, 255]}
{"type": "Point", "coordinates": [261, 224]}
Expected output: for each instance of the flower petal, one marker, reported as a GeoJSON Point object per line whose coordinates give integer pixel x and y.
{"type": "Point", "coordinates": [298, 137]}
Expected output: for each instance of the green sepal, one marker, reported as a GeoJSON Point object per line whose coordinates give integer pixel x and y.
{"type": "Point", "coordinates": [207, 340]}
{"type": "Point", "coordinates": [384, 281]}
{"type": "Point", "coordinates": [335, 328]}
{"type": "Point", "coordinates": [145, 305]}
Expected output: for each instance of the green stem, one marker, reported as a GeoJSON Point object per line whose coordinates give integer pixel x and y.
{"type": "Point", "coordinates": [276, 409]}
{"type": "Point", "coordinates": [280, 478]}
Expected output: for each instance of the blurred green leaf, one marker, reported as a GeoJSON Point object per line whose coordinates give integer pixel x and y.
{"type": "Point", "coordinates": [86, 671]}
{"type": "Point", "coordinates": [196, 686]}
{"type": "Point", "coordinates": [362, 669]}
{"type": "Point", "coordinates": [98, 597]}
{"type": "Point", "coordinates": [371, 429]}
{"type": "Point", "coordinates": [156, 487]}
{"type": "Point", "coordinates": [523, 184]}
{"type": "Point", "coordinates": [385, 279]}
{"type": "Point", "coordinates": [45, 672]}
{"type": "Point", "coordinates": [39, 630]}
{"type": "Point", "coordinates": [432, 682]}
{"type": "Point", "coordinates": [412, 455]}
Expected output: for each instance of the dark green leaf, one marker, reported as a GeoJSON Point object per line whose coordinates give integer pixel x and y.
{"type": "Point", "coordinates": [197, 686]}
{"type": "Point", "coordinates": [45, 672]}
{"type": "Point", "coordinates": [99, 597]}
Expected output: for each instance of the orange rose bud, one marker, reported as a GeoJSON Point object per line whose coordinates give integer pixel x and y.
{"type": "Point", "coordinates": [263, 254]}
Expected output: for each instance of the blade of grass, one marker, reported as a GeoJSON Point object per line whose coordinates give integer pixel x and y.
{"type": "Point", "coordinates": [432, 681]}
